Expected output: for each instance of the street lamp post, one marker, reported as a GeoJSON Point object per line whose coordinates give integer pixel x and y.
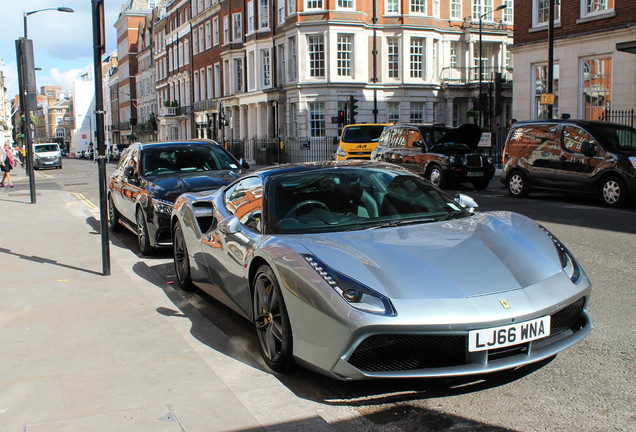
{"type": "Point", "coordinates": [481, 100]}
{"type": "Point", "coordinates": [22, 72]}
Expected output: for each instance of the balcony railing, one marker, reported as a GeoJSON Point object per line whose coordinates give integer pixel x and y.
{"type": "Point", "coordinates": [470, 75]}
{"type": "Point", "coordinates": [205, 105]}
{"type": "Point", "coordinates": [176, 111]}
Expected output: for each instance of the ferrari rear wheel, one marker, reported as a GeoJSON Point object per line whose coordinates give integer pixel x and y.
{"type": "Point", "coordinates": [271, 321]}
{"type": "Point", "coordinates": [181, 259]}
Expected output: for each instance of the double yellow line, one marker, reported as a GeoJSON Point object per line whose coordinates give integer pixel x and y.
{"type": "Point", "coordinates": [85, 200]}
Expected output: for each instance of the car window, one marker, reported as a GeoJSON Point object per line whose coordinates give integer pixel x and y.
{"type": "Point", "coordinates": [350, 199]}
{"type": "Point", "coordinates": [616, 138]}
{"type": "Point", "coordinates": [245, 200]}
{"type": "Point", "coordinates": [362, 134]}
{"type": "Point", "coordinates": [413, 137]}
{"type": "Point", "coordinates": [45, 148]}
{"type": "Point", "coordinates": [574, 137]}
{"type": "Point", "coordinates": [187, 158]}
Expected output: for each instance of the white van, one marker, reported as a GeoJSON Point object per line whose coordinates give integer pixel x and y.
{"type": "Point", "coordinates": [47, 155]}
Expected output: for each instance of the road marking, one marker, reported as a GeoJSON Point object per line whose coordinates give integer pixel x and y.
{"type": "Point", "coordinates": [85, 200]}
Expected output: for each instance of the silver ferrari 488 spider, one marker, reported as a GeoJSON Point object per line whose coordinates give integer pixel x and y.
{"type": "Point", "coordinates": [365, 270]}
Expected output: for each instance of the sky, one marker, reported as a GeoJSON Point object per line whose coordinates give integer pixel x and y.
{"type": "Point", "coordinates": [62, 42]}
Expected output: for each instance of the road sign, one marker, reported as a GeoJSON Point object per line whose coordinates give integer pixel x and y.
{"type": "Point", "coordinates": [547, 98]}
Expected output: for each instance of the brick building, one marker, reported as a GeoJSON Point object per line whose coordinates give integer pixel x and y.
{"type": "Point", "coordinates": [591, 49]}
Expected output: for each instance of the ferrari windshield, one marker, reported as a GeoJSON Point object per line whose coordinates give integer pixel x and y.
{"type": "Point", "coordinates": [185, 158]}
{"type": "Point", "coordinates": [344, 199]}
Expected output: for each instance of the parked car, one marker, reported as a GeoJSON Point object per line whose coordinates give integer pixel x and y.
{"type": "Point", "coordinates": [47, 155]}
{"type": "Point", "coordinates": [361, 269]}
{"type": "Point", "coordinates": [357, 141]}
{"type": "Point", "coordinates": [149, 177]}
{"type": "Point", "coordinates": [573, 156]}
{"type": "Point", "coordinates": [438, 152]}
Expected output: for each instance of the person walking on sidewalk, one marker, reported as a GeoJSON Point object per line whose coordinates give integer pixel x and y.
{"type": "Point", "coordinates": [6, 163]}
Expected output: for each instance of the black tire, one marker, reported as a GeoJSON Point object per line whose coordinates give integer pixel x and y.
{"type": "Point", "coordinates": [143, 238]}
{"type": "Point", "coordinates": [273, 328]}
{"type": "Point", "coordinates": [613, 191]}
{"type": "Point", "coordinates": [181, 258]}
{"type": "Point", "coordinates": [113, 216]}
{"type": "Point", "coordinates": [517, 184]}
{"type": "Point", "coordinates": [481, 184]}
{"type": "Point", "coordinates": [436, 176]}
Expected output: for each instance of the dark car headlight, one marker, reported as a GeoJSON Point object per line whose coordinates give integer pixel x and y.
{"type": "Point", "coordinates": [162, 206]}
{"type": "Point", "coordinates": [353, 292]}
{"type": "Point", "coordinates": [568, 262]}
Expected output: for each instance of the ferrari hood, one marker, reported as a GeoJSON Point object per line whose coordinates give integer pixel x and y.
{"type": "Point", "coordinates": [480, 255]}
{"type": "Point", "coordinates": [169, 188]}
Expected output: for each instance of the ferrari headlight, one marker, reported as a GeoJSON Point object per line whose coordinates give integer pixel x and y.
{"type": "Point", "coordinates": [162, 206]}
{"type": "Point", "coordinates": [353, 292]}
{"type": "Point", "coordinates": [568, 263]}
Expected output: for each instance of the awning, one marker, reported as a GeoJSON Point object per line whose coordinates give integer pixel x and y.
{"type": "Point", "coordinates": [629, 47]}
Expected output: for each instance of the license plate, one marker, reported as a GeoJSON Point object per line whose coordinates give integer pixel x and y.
{"type": "Point", "coordinates": [514, 334]}
{"type": "Point", "coordinates": [49, 163]}
{"type": "Point", "coordinates": [475, 174]}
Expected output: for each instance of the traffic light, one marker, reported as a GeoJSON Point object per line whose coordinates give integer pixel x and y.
{"type": "Point", "coordinates": [352, 109]}
{"type": "Point", "coordinates": [341, 117]}
{"type": "Point", "coordinates": [222, 119]}
{"type": "Point", "coordinates": [498, 94]}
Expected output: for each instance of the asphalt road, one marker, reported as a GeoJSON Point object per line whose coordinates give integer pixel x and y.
{"type": "Point", "coordinates": [588, 387]}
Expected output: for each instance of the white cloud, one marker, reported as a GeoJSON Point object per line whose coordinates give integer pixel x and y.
{"type": "Point", "coordinates": [67, 78]}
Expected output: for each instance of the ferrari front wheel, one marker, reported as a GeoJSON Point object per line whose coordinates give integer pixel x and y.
{"type": "Point", "coordinates": [273, 328]}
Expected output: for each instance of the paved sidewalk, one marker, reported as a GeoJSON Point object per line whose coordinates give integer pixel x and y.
{"type": "Point", "coordinates": [86, 352]}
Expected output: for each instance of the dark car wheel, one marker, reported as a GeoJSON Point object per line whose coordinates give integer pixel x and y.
{"type": "Point", "coordinates": [517, 184]}
{"type": "Point", "coordinates": [271, 320]}
{"type": "Point", "coordinates": [113, 216]}
{"type": "Point", "coordinates": [181, 259]}
{"type": "Point", "coordinates": [613, 191]}
{"type": "Point", "coordinates": [143, 238]}
{"type": "Point", "coordinates": [481, 184]}
{"type": "Point", "coordinates": [436, 176]}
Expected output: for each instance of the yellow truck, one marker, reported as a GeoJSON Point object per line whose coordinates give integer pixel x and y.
{"type": "Point", "coordinates": [359, 140]}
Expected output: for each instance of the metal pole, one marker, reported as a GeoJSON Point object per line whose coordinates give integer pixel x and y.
{"type": "Point", "coordinates": [375, 66]}
{"type": "Point", "coordinates": [550, 54]}
{"type": "Point", "coordinates": [481, 108]}
{"type": "Point", "coordinates": [25, 24]}
{"type": "Point", "coordinates": [26, 111]}
{"type": "Point", "coordinates": [99, 126]}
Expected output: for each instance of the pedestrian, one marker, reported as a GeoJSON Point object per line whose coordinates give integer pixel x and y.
{"type": "Point", "coordinates": [6, 163]}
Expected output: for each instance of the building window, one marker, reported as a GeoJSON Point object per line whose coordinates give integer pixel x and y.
{"type": "Point", "coordinates": [483, 9]}
{"type": "Point", "coordinates": [345, 54]}
{"type": "Point", "coordinates": [281, 62]}
{"type": "Point", "coordinates": [210, 86]}
{"type": "Point", "coordinates": [596, 7]}
{"type": "Point", "coordinates": [215, 25]}
{"type": "Point", "coordinates": [596, 86]}
{"type": "Point", "coordinates": [267, 79]}
{"type": "Point", "coordinates": [508, 12]}
{"type": "Point", "coordinates": [394, 57]}
{"type": "Point", "coordinates": [226, 29]}
{"type": "Point", "coordinates": [392, 6]}
{"type": "Point", "coordinates": [292, 60]}
{"type": "Point", "coordinates": [316, 49]}
{"type": "Point", "coordinates": [263, 16]}
{"type": "Point", "coordinates": [238, 70]}
{"type": "Point", "coordinates": [195, 43]}
{"type": "Point", "coordinates": [293, 120]}
{"type": "Point", "coordinates": [347, 4]}
{"type": "Point", "coordinates": [417, 112]}
{"type": "Point", "coordinates": [201, 39]}
{"type": "Point", "coordinates": [417, 57]}
{"type": "Point", "coordinates": [226, 77]}
{"type": "Point", "coordinates": [316, 119]}
{"type": "Point", "coordinates": [250, 17]}
{"type": "Point", "coordinates": [541, 11]}
{"type": "Point", "coordinates": [484, 64]}
{"type": "Point", "coordinates": [186, 51]}
{"type": "Point", "coordinates": [196, 86]}
{"type": "Point", "coordinates": [418, 6]}
{"type": "Point", "coordinates": [174, 133]}
{"type": "Point", "coordinates": [203, 88]}
{"type": "Point", "coordinates": [281, 12]}
{"type": "Point", "coordinates": [238, 30]}
{"type": "Point", "coordinates": [454, 48]}
{"type": "Point", "coordinates": [393, 112]}
{"type": "Point", "coordinates": [541, 86]}
{"type": "Point", "coordinates": [217, 80]}
{"type": "Point", "coordinates": [250, 70]}
{"type": "Point", "coordinates": [291, 7]}
{"type": "Point", "coordinates": [314, 4]}
{"type": "Point", "coordinates": [456, 9]}
{"type": "Point", "coordinates": [208, 34]}
{"type": "Point", "coordinates": [435, 11]}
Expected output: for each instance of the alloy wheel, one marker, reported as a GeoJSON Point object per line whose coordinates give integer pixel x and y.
{"type": "Point", "coordinates": [611, 192]}
{"type": "Point", "coordinates": [268, 321]}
